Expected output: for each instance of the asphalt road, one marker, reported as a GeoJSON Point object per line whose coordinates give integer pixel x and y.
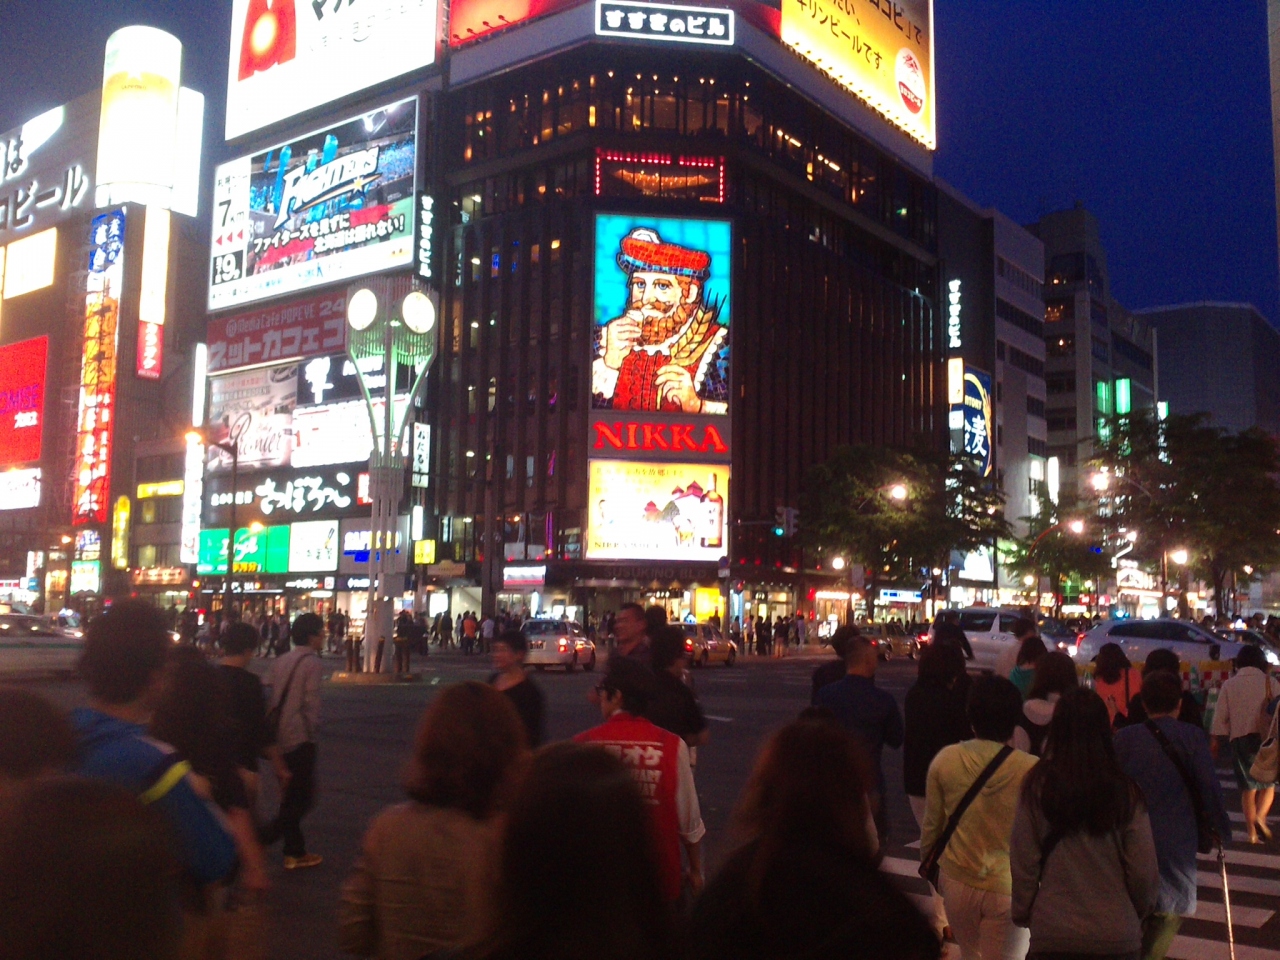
{"type": "Point", "coordinates": [367, 731]}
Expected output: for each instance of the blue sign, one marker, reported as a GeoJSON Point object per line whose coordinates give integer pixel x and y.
{"type": "Point", "coordinates": [978, 419]}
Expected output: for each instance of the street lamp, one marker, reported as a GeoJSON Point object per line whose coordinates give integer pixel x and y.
{"type": "Point", "coordinates": [232, 448]}
{"type": "Point", "coordinates": [837, 563]}
{"type": "Point", "coordinates": [389, 318]}
{"type": "Point", "coordinates": [1076, 526]}
{"type": "Point", "coordinates": [898, 492]}
{"type": "Point", "coordinates": [1179, 557]}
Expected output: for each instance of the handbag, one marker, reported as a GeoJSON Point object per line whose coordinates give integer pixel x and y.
{"type": "Point", "coordinates": [1207, 839]}
{"type": "Point", "coordinates": [1266, 764]}
{"type": "Point", "coordinates": [930, 863]}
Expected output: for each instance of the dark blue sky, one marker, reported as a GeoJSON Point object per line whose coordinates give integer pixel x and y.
{"type": "Point", "coordinates": [1154, 114]}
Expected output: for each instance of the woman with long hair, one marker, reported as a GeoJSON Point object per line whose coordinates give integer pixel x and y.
{"type": "Point", "coordinates": [1114, 682]}
{"type": "Point", "coordinates": [1082, 856]}
{"type": "Point", "coordinates": [806, 826]}
{"type": "Point", "coordinates": [1055, 675]}
{"type": "Point", "coordinates": [1023, 673]}
{"type": "Point", "coordinates": [418, 885]}
{"type": "Point", "coordinates": [935, 717]}
{"type": "Point", "coordinates": [579, 877]}
{"type": "Point", "coordinates": [1243, 718]}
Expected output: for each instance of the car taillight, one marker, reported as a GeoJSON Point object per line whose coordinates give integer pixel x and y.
{"type": "Point", "coordinates": [564, 644]}
{"type": "Point", "coordinates": [688, 644]}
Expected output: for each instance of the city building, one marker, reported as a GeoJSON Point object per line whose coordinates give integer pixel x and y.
{"type": "Point", "coordinates": [993, 282]}
{"type": "Point", "coordinates": [1100, 359]}
{"type": "Point", "coordinates": [674, 263]}
{"type": "Point", "coordinates": [1219, 359]}
{"type": "Point", "coordinates": [99, 310]}
{"type": "Point", "coordinates": [1273, 45]}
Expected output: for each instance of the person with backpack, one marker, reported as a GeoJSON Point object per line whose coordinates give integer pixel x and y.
{"type": "Point", "coordinates": [1114, 682]}
{"type": "Point", "coordinates": [1172, 766]}
{"type": "Point", "coordinates": [1055, 675]}
{"type": "Point", "coordinates": [294, 717]}
{"type": "Point", "coordinates": [971, 796]}
{"type": "Point", "coordinates": [1242, 717]}
{"type": "Point", "coordinates": [123, 661]}
{"type": "Point", "coordinates": [1082, 856]}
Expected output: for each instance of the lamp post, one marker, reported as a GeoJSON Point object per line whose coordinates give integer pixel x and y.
{"type": "Point", "coordinates": [1074, 526]}
{"type": "Point", "coordinates": [898, 493]}
{"type": "Point", "coordinates": [231, 447]}
{"type": "Point", "coordinates": [393, 319]}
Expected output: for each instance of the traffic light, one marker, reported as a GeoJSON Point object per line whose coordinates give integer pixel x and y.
{"type": "Point", "coordinates": [792, 523]}
{"type": "Point", "coordinates": [780, 522]}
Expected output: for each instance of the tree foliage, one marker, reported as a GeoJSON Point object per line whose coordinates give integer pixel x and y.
{"type": "Point", "coordinates": [1052, 551]}
{"type": "Point", "coordinates": [1184, 484]}
{"type": "Point", "coordinates": [846, 509]}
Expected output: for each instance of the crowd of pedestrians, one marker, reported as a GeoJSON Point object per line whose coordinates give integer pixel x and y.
{"type": "Point", "coordinates": [1057, 821]}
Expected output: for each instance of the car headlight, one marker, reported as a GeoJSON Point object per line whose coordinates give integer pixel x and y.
{"type": "Point", "coordinates": [1272, 657]}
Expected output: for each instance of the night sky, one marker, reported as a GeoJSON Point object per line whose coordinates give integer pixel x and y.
{"type": "Point", "coordinates": [1155, 115]}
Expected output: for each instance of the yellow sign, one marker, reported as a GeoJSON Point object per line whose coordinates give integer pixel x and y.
{"type": "Point", "coordinates": [120, 534]}
{"type": "Point", "coordinates": [166, 488]}
{"type": "Point", "coordinates": [707, 602]}
{"type": "Point", "coordinates": [658, 511]}
{"type": "Point", "coordinates": [881, 50]}
{"type": "Point", "coordinates": [31, 262]}
{"type": "Point", "coordinates": [424, 551]}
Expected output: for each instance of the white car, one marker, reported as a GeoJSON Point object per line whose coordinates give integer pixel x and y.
{"type": "Point", "coordinates": [1138, 638]}
{"type": "Point", "coordinates": [989, 631]}
{"type": "Point", "coordinates": [558, 643]}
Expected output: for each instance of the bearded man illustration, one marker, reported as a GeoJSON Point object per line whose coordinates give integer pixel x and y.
{"type": "Point", "coordinates": [663, 353]}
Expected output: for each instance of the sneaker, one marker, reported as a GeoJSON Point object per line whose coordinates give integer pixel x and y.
{"type": "Point", "coordinates": [306, 860]}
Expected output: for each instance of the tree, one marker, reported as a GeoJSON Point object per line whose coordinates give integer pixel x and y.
{"type": "Point", "coordinates": [1052, 550]}
{"type": "Point", "coordinates": [848, 508]}
{"type": "Point", "coordinates": [1182, 483]}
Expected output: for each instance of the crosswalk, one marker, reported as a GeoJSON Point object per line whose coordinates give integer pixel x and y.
{"type": "Point", "coordinates": [1253, 876]}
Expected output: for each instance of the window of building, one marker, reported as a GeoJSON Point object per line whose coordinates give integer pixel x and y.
{"type": "Point", "coordinates": [1098, 312]}
{"type": "Point", "coordinates": [1130, 351]}
{"type": "Point", "coordinates": [1060, 346]}
{"type": "Point", "coordinates": [1020, 278]}
{"type": "Point", "coordinates": [1060, 309]}
{"type": "Point", "coordinates": [1061, 420]}
{"type": "Point", "coordinates": [1035, 407]}
{"type": "Point", "coordinates": [620, 174]}
{"type": "Point", "coordinates": [1057, 384]}
{"type": "Point", "coordinates": [1037, 447]}
{"type": "Point", "coordinates": [1100, 351]}
{"type": "Point", "coordinates": [1019, 318]}
{"type": "Point", "coordinates": [1020, 359]}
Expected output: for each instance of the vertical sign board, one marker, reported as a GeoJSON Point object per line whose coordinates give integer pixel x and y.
{"type": "Point", "coordinates": [95, 420]}
{"type": "Point", "coordinates": [659, 441]}
{"type": "Point", "coordinates": [22, 378]}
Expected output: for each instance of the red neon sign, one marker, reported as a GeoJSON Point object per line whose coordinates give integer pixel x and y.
{"type": "Point", "coordinates": [150, 350]}
{"type": "Point", "coordinates": [22, 372]}
{"type": "Point", "coordinates": [659, 437]}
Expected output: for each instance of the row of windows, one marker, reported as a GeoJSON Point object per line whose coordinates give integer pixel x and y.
{"type": "Point", "coordinates": [1078, 267]}
{"type": "Point", "coordinates": [1019, 278]}
{"type": "Point", "coordinates": [1007, 312]}
{"type": "Point", "coordinates": [1100, 351]}
{"type": "Point", "coordinates": [1131, 351]}
{"type": "Point", "coordinates": [1035, 407]}
{"type": "Point", "coordinates": [149, 556]}
{"type": "Point", "coordinates": [1037, 448]}
{"type": "Point", "coordinates": [1056, 384]}
{"type": "Point", "coordinates": [1020, 359]}
{"type": "Point", "coordinates": [1061, 420]}
{"type": "Point", "coordinates": [165, 467]}
{"type": "Point", "coordinates": [741, 105]}
{"type": "Point", "coordinates": [1060, 346]}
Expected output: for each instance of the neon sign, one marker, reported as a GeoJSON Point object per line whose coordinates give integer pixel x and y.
{"type": "Point", "coordinates": [664, 22]}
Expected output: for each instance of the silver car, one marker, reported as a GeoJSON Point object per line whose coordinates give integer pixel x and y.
{"type": "Point", "coordinates": [1139, 637]}
{"type": "Point", "coordinates": [33, 645]}
{"type": "Point", "coordinates": [558, 643]}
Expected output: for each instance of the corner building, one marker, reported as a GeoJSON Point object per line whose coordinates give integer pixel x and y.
{"type": "Point", "coordinates": [772, 241]}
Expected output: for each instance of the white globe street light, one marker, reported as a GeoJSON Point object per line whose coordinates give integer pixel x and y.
{"type": "Point", "coordinates": [837, 563]}
{"type": "Point", "coordinates": [1179, 557]}
{"type": "Point", "coordinates": [419, 312]}
{"type": "Point", "coordinates": [898, 492]}
{"type": "Point", "coordinates": [362, 309]}
{"type": "Point", "coordinates": [1076, 526]}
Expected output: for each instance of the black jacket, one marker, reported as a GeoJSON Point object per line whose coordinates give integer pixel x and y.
{"type": "Point", "coordinates": [935, 717]}
{"type": "Point", "coordinates": [815, 903]}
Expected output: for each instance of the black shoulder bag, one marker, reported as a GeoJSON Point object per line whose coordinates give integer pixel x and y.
{"type": "Point", "coordinates": [1207, 839]}
{"type": "Point", "coordinates": [929, 865]}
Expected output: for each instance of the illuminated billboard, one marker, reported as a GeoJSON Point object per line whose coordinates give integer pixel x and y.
{"type": "Point", "coordinates": [976, 420]}
{"type": "Point", "coordinates": [287, 331]}
{"type": "Point", "coordinates": [264, 550]}
{"type": "Point", "coordinates": [95, 423]}
{"type": "Point", "coordinates": [22, 373]}
{"type": "Point", "coordinates": [289, 56]}
{"type": "Point", "coordinates": [333, 433]}
{"type": "Point", "coordinates": [664, 22]}
{"type": "Point", "coordinates": [472, 19]}
{"type": "Point", "coordinates": [657, 511]}
{"type": "Point", "coordinates": [662, 314]}
{"type": "Point", "coordinates": [313, 546]}
{"type": "Point", "coordinates": [329, 206]}
{"type": "Point", "coordinates": [29, 263]}
{"type": "Point", "coordinates": [20, 489]}
{"type": "Point", "coordinates": [254, 410]}
{"type": "Point", "coordinates": [46, 167]}
{"type": "Point", "coordinates": [880, 51]}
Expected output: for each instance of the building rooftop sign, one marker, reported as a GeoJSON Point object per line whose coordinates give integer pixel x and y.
{"type": "Point", "coordinates": [664, 22]}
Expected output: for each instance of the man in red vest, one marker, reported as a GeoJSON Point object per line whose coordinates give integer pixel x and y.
{"type": "Point", "coordinates": [662, 354]}
{"type": "Point", "coordinates": [659, 762]}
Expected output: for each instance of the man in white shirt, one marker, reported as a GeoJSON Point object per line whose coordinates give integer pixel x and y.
{"type": "Point", "coordinates": [294, 708]}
